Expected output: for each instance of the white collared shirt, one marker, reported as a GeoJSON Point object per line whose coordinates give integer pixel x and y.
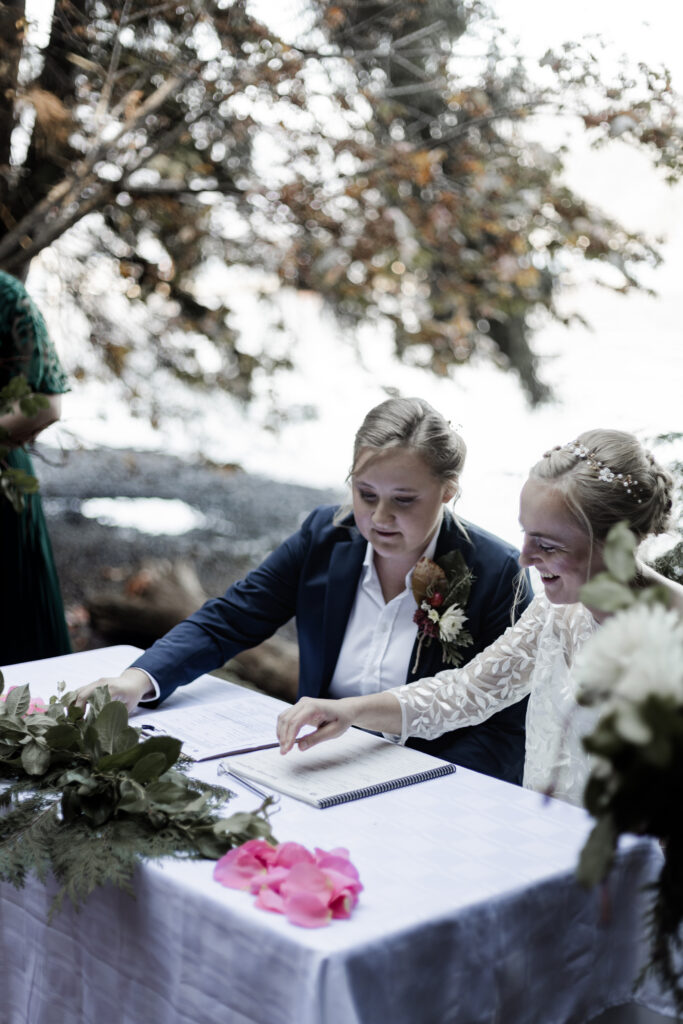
{"type": "Point", "coordinates": [378, 642]}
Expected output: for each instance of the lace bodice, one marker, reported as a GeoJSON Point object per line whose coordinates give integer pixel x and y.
{"type": "Point", "coordinates": [534, 656]}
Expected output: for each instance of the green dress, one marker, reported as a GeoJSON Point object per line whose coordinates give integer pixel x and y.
{"type": "Point", "coordinates": [32, 623]}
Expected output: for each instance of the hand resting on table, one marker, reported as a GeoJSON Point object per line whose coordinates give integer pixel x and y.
{"type": "Point", "coordinates": [130, 687]}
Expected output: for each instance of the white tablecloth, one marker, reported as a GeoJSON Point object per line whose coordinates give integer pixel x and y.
{"type": "Point", "coordinates": [470, 915]}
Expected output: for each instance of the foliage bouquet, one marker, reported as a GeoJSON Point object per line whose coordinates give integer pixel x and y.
{"type": "Point", "coordinates": [84, 798]}
{"type": "Point", "coordinates": [632, 672]}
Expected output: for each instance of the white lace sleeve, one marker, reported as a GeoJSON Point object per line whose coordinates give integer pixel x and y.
{"type": "Point", "coordinates": [500, 675]}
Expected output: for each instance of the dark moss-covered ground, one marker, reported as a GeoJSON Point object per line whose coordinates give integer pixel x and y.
{"type": "Point", "coordinates": [246, 516]}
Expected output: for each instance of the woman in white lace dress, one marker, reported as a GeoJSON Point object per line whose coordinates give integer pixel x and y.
{"type": "Point", "coordinates": [573, 496]}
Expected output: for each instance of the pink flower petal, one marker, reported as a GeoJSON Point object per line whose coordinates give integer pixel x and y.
{"type": "Point", "coordinates": [307, 910]}
{"type": "Point", "coordinates": [238, 867]}
{"type": "Point", "coordinates": [342, 905]}
{"type": "Point", "coordinates": [260, 849]}
{"type": "Point", "coordinates": [335, 862]}
{"type": "Point", "coordinates": [307, 878]}
{"type": "Point", "coordinates": [272, 879]}
{"type": "Point", "coordinates": [342, 887]}
{"type": "Point", "coordinates": [269, 900]}
{"type": "Point", "coordinates": [339, 851]}
{"type": "Point", "coordinates": [288, 854]}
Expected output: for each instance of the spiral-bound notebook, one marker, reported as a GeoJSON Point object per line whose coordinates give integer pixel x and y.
{"type": "Point", "coordinates": [356, 765]}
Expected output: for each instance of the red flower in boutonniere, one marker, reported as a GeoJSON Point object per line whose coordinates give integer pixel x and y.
{"type": "Point", "coordinates": [441, 590]}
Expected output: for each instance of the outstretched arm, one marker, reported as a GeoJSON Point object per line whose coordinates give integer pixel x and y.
{"type": "Point", "coordinates": [378, 711]}
{"type": "Point", "coordinates": [498, 676]}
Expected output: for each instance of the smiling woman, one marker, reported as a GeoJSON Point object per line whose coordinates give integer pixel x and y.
{"type": "Point", "coordinates": [554, 543]}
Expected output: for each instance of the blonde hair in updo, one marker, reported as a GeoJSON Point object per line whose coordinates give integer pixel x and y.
{"type": "Point", "coordinates": [598, 504]}
{"type": "Point", "coordinates": [413, 424]}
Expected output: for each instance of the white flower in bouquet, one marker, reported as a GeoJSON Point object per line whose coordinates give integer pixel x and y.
{"type": "Point", "coordinates": [451, 623]}
{"type": "Point", "coordinates": [633, 656]}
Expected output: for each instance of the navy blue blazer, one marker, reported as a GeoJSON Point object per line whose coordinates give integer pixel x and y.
{"type": "Point", "coordinates": [313, 575]}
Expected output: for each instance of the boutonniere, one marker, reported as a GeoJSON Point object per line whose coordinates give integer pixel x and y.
{"type": "Point", "coordinates": [441, 590]}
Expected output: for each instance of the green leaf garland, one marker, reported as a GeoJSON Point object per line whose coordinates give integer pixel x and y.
{"type": "Point", "coordinates": [85, 799]}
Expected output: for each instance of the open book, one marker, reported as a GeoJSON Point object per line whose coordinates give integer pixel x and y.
{"type": "Point", "coordinates": [234, 725]}
{"type": "Point", "coordinates": [356, 765]}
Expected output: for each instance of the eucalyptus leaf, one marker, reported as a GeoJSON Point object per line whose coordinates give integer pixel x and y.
{"type": "Point", "coordinates": [127, 738]}
{"type": "Point", "coordinates": [35, 759]}
{"type": "Point", "coordinates": [98, 699]}
{"type": "Point", "coordinates": [14, 727]}
{"type": "Point", "coordinates": [619, 552]}
{"type": "Point", "coordinates": [167, 745]}
{"type": "Point", "coordinates": [133, 799]}
{"type": "Point", "coordinates": [149, 767]}
{"type": "Point", "coordinates": [74, 713]}
{"type": "Point", "coordinates": [606, 594]}
{"type": "Point", "coordinates": [91, 742]}
{"type": "Point", "coordinates": [110, 722]}
{"type": "Point", "coordinates": [62, 736]}
{"type": "Point", "coordinates": [165, 793]}
{"type": "Point", "coordinates": [17, 701]}
{"type": "Point", "coordinates": [77, 775]}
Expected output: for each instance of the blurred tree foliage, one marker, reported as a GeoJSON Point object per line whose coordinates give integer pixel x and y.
{"type": "Point", "coordinates": [379, 156]}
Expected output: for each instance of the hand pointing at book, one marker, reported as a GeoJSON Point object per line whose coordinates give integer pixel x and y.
{"type": "Point", "coordinates": [378, 711]}
{"type": "Point", "coordinates": [330, 717]}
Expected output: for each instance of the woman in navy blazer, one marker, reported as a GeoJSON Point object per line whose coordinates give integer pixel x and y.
{"type": "Point", "coordinates": [315, 576]}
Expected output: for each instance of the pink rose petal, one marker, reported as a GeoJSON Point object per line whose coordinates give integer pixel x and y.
{"type": "Point", "coordinates": [307, 909]}
{"type": "Point", "coordinates": [339, 851]}
{"type": "Point", "coordinates": [237, 867]}
{"type": "Point", "coordinates": [267, 899]}
{"type": "Point", "coordinates": [307, 878]}
{"type": "Point", "coordinates": [273, 879]}
{"type": "Point", "coordinates": [340, 881]}
{"type": "Point", "coordinates": [288, 854]}
{"type": "Point", "coordinates": [342, 905]}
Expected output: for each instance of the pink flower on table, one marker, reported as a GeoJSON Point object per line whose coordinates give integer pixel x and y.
{"type": "Point", "coordinates": [237, 868]}
{"type": "Point", "coordinates": [309, 889]}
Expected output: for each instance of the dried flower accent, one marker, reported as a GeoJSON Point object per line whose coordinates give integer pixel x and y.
{"type": "Point", "coordinates": [441, 590]}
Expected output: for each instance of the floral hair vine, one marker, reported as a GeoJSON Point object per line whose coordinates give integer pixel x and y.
{"type": "Point", "coordinates": [603, 472]}
{"type": "Point", "coordinates": [441, 590]}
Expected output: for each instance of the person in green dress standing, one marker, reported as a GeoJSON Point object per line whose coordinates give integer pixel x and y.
{"type": "Point", "coordinates": [32, 623]}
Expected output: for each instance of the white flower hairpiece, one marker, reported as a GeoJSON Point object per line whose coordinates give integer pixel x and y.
{"type": "Point", "coordinates": [602, 471]}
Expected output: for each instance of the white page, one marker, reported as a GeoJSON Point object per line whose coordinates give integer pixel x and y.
{"type": "Point", "coordinates": [214, 729]}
